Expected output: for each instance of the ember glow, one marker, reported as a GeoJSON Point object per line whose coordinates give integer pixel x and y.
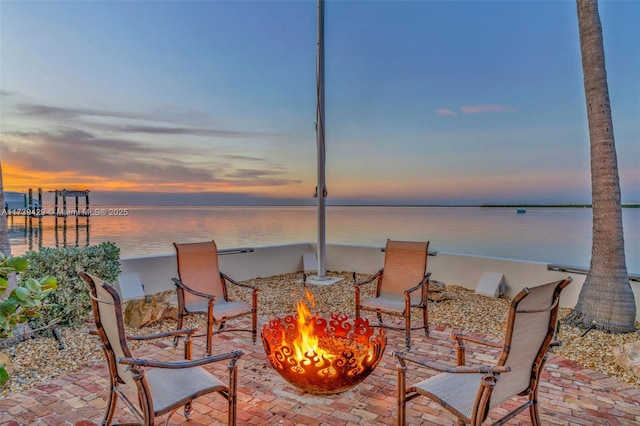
{"type": "Point", "coordinates": [320, 356]}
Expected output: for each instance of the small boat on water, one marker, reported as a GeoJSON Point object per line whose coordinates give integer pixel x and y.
{"type": "Point", "coordinates": [521, 211]}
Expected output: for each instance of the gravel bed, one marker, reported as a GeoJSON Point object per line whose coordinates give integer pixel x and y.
{"type": "Point", "coordinates": [38, 360]}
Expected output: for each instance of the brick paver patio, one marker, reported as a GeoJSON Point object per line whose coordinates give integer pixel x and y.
{"type": "Point", "coordinates": [569, 394]}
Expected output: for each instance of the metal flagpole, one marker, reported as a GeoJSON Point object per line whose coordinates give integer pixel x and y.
{"type": "Point", "coordinates": [321, 189]}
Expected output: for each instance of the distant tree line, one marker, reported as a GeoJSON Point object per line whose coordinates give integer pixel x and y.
{"type": "Point", "coordinates": [582, 206]}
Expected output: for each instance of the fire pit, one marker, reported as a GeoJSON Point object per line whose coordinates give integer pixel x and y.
{"type": "Point", "coordinates": [319, 355]}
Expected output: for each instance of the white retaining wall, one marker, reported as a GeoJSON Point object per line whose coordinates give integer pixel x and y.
{"type": "Point", "coordinates": [155, 272]}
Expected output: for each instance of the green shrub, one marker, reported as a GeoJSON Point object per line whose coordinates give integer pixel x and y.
{"type": "Point", "coordinates": [23, 302]}
{"type": "Point", "coordinates": [71, 299]}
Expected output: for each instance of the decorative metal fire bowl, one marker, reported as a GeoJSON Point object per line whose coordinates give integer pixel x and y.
{"type": "Point", "coordinates": [323, 356]}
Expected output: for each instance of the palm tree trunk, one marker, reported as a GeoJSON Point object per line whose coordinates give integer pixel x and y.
{"type": "Point", "coordinates": [5, 247]}
{"type": "Point", "coordinates": [606, 298]}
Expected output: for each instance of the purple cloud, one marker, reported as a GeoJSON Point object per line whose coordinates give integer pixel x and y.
{"type": "Point", "coordinates": [445, 111]}
{"type": "Point", "coordinates": [111, 158]}
{"type": "Point", "coordinates": [176, 115]}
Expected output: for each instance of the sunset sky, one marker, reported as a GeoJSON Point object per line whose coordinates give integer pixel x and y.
{"type": "Point", "coordinates": [428, 102]}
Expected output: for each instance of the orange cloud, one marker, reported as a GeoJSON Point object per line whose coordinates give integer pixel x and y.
{"type": "Point", "coordinates": [16, 178]}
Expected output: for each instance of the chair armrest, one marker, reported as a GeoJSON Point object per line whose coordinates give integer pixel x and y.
{"type": "Point", "coordinates": [421, 284]}
{"type": "Point", "coordinates": [486, 342]}
{"type": "Point", "coordinates": [403, 358]}
{"type": "Point", "coordinates": [460, 348]}
{"type": "Point", "coordinates": [189, 331]}
{"type": "Point", "coordinates": [183, 286]}
{"type": "Point", "coordinates": [370, 279]}
{"type": "Point", "coordinates": [238, 283]}
{"type": "Point", "coordinates": [180, 364]}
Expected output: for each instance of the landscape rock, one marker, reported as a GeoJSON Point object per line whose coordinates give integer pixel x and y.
{"type": "Point", "coordinates": [6, 361]}
{"type": "Point", "coordinates": [440, 296]}
{"type": "Point", "coordinates": [8, 365]}
{"type": "Point", "coordinates": [436, 286]}
{"type": "Point", "coordinates": [628, 357]}
{"type": "Point", "coordinates": [151, 309]}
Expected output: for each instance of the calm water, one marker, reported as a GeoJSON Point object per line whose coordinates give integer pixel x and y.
{"type": "Point", "coordinates": [553, 235]}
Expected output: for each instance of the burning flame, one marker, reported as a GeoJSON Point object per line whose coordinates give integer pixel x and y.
{"type": "Point", "coordinates": [306, 344]}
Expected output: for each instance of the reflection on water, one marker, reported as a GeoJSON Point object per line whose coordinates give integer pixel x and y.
{"type": "Point", "coordinates": [550, 235]}
{"type": "Point", "coordinates": [28, 232]}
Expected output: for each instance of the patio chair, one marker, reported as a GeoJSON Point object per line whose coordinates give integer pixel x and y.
{"type": "Point", "coordinates": [470, 392]}
{"type": "Point", "coordinates": [202, 290]}
{"type": "Point", "coordinates": [161, 387]}
{"type": "Point", "coordinates": [402, 284]}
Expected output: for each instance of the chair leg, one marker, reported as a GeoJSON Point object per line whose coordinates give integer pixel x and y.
{"type": "Point", "coordinates": [254, 315]}
{"type": "Point", "coordinates": [179, 326]}
{"type": "Point", "coordinates": [407, 331]}
{"type": "Point", "coordinates": [167, 419]}
{"type": "Point", "coordinates": [232, 395]}
{"type": "Point", "coordinates": [533, 408]}
{"type": "Point", "coordinates": [402, 396]}
{"type": "Point", "coordinates": [210, 321]}
{"type": "Point", "coordinates": [254, 325]}
{"type": "Point", "coordinates": [111, 407]}
{"type": "Point", "coordinates": [187, 410]}
{"type": "Point", "coordinates": [209, 337]}
{"type": "Point", "coordinates": [425, 320]}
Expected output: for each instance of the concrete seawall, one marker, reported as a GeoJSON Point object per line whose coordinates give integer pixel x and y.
{"type": "Point", "coordinates": [155, 272]}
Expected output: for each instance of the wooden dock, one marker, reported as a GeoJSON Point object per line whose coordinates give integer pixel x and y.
{"type": "Point", "coordinates": [34, 208]}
